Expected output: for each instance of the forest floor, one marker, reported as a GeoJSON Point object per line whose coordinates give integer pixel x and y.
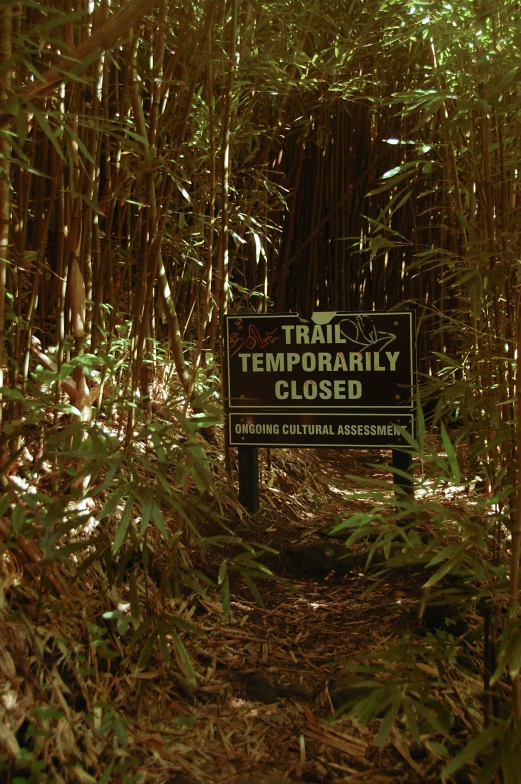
{"type": "Point", "coordinates": [269, 680]}
{"type": "Point", "coordinates": [279, 674]}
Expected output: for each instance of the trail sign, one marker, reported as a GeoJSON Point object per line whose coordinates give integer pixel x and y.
{"type": "Point", "coordinates": [341, 379]}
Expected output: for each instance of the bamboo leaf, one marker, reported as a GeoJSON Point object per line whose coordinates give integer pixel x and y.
{"type": "Point", "coordinates": [446, 552]}
{"type": "Point", "coordinates": [84, 151]}
{"type": "Point", "coordinates": [443, 570]}
{"type": "Point", "coordinates": [391, 178]}
{"type": "Point", "coordinates": [183, 659]}
{"type": "Point", "coordinates": [411, 719]}
{"type": "Point", "coordinates": [46, 128]}
{"type": "Point", "coordinates": [225, 597]}
{"type": "Point", "coordinates": [146, 510]}
{"type": "Point", "coordinates": [142, 628]}
{"type": "Point", "coordinates": [489, 766]}
{"type": "Point", "coordinates": [223, 571]}
{"type": "Point", "coordinates": [121, 731]}
{"type": "Point", "coordinates": [18, 519]}
{"type": "Point", "coordinates": [165, 649]}
{"type": "Point", "coordinates": [451, 455]}
{"type": "Point", "coordinates": [185, 626]}
{"type": "Point", "coordinates": [113, 501]}
{"type": "Point", "coordinates": [158, 446]}
{"type": "Point", "coordinates": [107, 772]}
{"type": "Point", "coordinates": [387, 723]}
{"type": "Point", "coordinates": [122, 528]}
{"type": "Point", "coordinates": [159, 520]}
{"type": "Point", "coordinates": [449, 360]}
{"type": "Point", "coordinates": [477, 746]}
{"type": "Point", "coordinates": [189, 581]}
{"type": "Point", "coordinates": [253, 588]}
{"type": "Point", "coordinates": [514, 665]}
{"type": "Point", "coordinates": [5, 503]}
{"type": "Point", "coordinates": [145, 654]}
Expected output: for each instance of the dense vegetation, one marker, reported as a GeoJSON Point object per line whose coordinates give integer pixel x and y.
{"type": "Point", "coordinates": [164, 163]}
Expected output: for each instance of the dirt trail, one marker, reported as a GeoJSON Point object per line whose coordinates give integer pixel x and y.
{"type": "Point", "coordinates": [277, 674]}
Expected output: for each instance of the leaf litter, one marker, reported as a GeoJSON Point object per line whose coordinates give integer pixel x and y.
{"type": "Point", "coordinates": [247, 699]}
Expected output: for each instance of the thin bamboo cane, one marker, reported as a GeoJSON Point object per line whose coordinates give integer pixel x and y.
{"type": "Point", "coordinates": [5, 196]}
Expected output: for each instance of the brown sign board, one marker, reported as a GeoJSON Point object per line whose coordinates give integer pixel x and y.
{"type": "Point", "coordinates": [340, 379]}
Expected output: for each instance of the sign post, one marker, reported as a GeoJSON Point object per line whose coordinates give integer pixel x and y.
{"type": "Point", "coordinates": [248, 459]}
{"type": "Point", "coordinates": [338, 380]}
{"type": "Point", "coordinates": [404, 485]}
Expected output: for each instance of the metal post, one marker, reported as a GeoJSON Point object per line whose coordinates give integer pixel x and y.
{"type": "Point", "coordinates": [248, 458]}
{"type": "Point", "coordinates": [403, 486]}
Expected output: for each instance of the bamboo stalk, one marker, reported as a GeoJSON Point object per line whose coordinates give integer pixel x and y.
{"type": "Point", "coordinates": [225, 186]}
{"type": "Point", "coordinates": [516, 530]}
{"type": "Point", "coordinates": [6, 43]}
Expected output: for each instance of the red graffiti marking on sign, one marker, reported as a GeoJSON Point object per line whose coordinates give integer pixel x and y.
{"type": "Point", "coordinates": [254, 339]}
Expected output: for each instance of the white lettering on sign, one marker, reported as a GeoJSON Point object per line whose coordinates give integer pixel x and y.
{"type": "Point", "coordinates": [324, 362]}
{"type": "Point", "coordinates": [368, 430]}
{"type": "Point", "coordinates": [274, 363]}
{"type": "Point", "coordinates": [365, 429]}
{"type": "Point", "coordinates": [328, 430]}
{"type": "Point", "coordinates": [291, 360]}
{"type": "Point", "coordinates": [369, 361]}
{"type": "Point", "coordinates": [309, 362]}
{"type": "Point", "coordinates": [300, 334]}
{"type": "Point", "coordinates": [325, 390]}
{"type": "Point", "coordinates": [392, 359]}
{"type": "Point", "coordinates": [308, 430]}
{"type": "Point", "coordinates": [355, 361]}
{"type": "Point", "coordinates": [259, 429]}
{"type": "Point", "coordinates": [340, 361]}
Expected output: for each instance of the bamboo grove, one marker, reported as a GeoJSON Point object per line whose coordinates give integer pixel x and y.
{"type": "Point", "coordinates": [165, 163]}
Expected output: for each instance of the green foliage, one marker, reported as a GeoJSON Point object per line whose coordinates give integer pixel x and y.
{"type": "Point", "coordinates": [451, 551]}
{"type": "Point", "coordinates": [126, 509]}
